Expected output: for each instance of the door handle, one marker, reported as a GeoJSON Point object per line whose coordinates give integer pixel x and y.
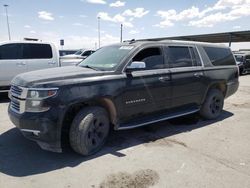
{"type": "Point", "coordinates": [164, 78]}
{"type": "Point", "coordinates": [198, 74]}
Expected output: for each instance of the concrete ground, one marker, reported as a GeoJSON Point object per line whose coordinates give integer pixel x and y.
{"type": "Point", "coordinates": [186, 152]}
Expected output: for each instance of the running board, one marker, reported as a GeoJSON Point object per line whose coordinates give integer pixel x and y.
{"type": "Point", "coordinates": [159, 118]}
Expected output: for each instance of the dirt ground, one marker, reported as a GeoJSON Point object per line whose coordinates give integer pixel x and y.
{"type": "Point", "coordinates": [186, 152]}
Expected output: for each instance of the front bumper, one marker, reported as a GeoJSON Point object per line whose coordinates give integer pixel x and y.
{"type": "Point", "coordinates": [40, 127]}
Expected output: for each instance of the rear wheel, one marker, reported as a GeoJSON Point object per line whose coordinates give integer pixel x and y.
{"type": "Point", "coordinates": [89, 130]}
{"type": "Point", "coordinates": [213, 105]}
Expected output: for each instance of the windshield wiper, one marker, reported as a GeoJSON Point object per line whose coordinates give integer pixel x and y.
{"type": "Point", "coordinates": [90, 67]}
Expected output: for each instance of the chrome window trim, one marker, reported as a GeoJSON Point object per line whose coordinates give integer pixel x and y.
{"type": "Point", "coordinates": [187, 69]}
{"type": "Point", "coordinates": [150, 72]}
{"type": "Point", "coordinates": [199, 54]}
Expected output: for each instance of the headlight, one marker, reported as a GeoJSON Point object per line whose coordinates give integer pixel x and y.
{"type": "Point", "coordinates": [35, 99]}
{"type": "Point", "coordinates": [41, 93]}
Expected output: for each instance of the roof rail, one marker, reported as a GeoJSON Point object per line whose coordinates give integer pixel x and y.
{"type": "Point", "coordinates": [130, 41]}
{"type": "Point", "coordinates": [155, 39]}
{"type": "Point", "coordinates": [141, 40]}
{"type": "Point", "coordinates": [30, 39]}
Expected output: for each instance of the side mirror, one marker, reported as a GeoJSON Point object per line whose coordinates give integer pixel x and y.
{"type": "Point", "coordinates": [136, 65]}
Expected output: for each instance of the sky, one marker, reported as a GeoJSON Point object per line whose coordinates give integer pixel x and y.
{"type": "Point", "coordinates": [76, 21]}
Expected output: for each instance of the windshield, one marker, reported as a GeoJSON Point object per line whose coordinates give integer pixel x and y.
{"type": "Point", "coordinates": [107, 58]}
{"type": "Point", "coordinates": [79, 52]}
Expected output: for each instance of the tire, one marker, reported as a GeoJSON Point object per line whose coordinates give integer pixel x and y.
{"type": "Point", "coordinates": [89, 130]}
{"type": "Point", "coordinates": [213, 105]}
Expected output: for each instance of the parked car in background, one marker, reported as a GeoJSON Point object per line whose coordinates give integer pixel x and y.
{"type": "Point", "coordinates": [119, 87]}
{"type": "Point", "coordinates": [81, 54]}
{"type": "Point", "coordinates": [76, 58]}
{"type": "Point", "coordinates": [25, 56]}
{"type": "Point", "coordinates": [66, 52]}
{"type": "Point", "coordinates": [243, 61]}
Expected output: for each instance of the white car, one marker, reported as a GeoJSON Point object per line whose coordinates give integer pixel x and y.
{"type": "Point", "coordinates": [80, 54]}
{"type": "Point", "coordinates": [76, 58]}
{"type": "Point", "coordinates": [25, 56]}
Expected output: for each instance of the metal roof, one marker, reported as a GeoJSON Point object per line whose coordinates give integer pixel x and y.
{"type": "Point", "coordinates": [237, 36]}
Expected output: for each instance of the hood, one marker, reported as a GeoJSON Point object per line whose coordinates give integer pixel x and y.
{"type": "Point", "coordinates": [59, 74]}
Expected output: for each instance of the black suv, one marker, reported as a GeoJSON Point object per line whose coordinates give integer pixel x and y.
{"type": "Point", "coordinates": [121, 86]}
{"type": "Point", "coordinates": [243, 61]}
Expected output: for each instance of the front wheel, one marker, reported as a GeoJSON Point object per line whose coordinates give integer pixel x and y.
{"type": "Point", "coordinates": [89, 130]}
{"type": "Point", "coordinates": [213, 105]}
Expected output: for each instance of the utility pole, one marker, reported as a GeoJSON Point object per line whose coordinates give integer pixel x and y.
{"type": "Point", "coordinates": [121, 32]}
{"type": "Point", "coordinates": [8, 25]}
{"type": "Point", "coordinates": [99, 32]}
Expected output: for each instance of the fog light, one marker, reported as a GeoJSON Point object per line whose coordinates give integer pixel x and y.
{"type": "Point", "coordinates": [35, 103]}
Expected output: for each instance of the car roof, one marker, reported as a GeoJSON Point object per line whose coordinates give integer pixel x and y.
{"type": "Point", "coordinates": [23, 42]}
{"type": "Point", "coordinates": [171, 42]}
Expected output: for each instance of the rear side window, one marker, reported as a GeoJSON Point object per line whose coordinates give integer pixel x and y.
{"type": "Point", "coordinates": [152, 57]}
{"type": "Point", "coordinates": [220, 56]}
{"type": "Point", "coordinates": [179, 56]}
{"type": "Point", "coordinates": [37, 51]}
{"type": "Point", "coordinates": [10, 51]}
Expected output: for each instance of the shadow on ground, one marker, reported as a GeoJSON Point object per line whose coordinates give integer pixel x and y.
{"type": "Point", "coordinates": [20, 157]}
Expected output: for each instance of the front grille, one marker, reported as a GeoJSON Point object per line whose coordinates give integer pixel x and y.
{"type": "Point", "coordinates": [15, 105]}
{"type": "Point", "coordinates": [16, 91]}
{"type": "Point", "coordinates": [17, 96]}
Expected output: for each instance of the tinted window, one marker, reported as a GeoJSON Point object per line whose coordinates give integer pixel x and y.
{"type": "Point", "coordinates": [220, 56]}
{"type": "Point", "coordinates": [37, 51]}
{"type": "Point", "coordinates": [11, 51]}
{"type": "Point", "coordinates": [179, 56]}
{"type": "Point", "coordinates": [87, 53]}
{"type": "Point", "coordinates": [79, 52]}
{"type": "Point", "coordinates": [152, 57]}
